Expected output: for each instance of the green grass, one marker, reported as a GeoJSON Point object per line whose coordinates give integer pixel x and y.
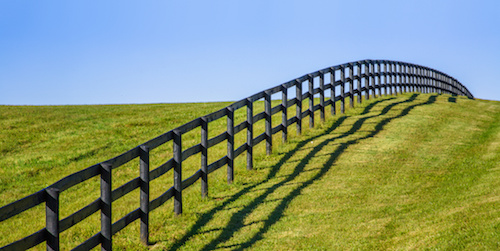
{"type": "Point", "coordinates": [415, 171]}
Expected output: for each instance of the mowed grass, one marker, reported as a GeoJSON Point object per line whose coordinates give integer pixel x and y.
{"type": "Point", "coordinates": [414, 171]}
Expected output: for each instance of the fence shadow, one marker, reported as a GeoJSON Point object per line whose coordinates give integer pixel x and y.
{"type": "Point", "coordinates": [236, 221]}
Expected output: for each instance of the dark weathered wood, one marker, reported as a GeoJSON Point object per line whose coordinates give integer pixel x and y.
{"type": "Point", "coordinates": [240, 127]}
{"type": "Point", "coordinates": [291, 121]}
{"type": "Point", "coordinates": [106, 235]}
{"type": "Point", "coordinates": [191, 180]}
{"type": "Point", "coordinates": [22, 205]}
{"type": "Point", "coordinates": [52, 218]}
{"type": "Point", "coordinates": [259, 138]}
{"type": "Point", "coordinates": [204, 157]}
{"type": "Point", "coordinates": [126, 220]}
{"type": "Point", "coordinates": [123, 158]}
{"type": "Point", "coordinates": [284, 114]}
{"type": "Point", "coordinates": [367, 81]}
{"type": "Point", "coordinates": [89, 244]}
{"type": "Point", "coordinates": [217, 139]}
{"type": "Point", "coordinates": [291, 102]}
{"type": "Point", "coordinates": [359, 84]}
{"type": "Point", "coordinates": [269, 136]}
{"type": "Point", "coordinates": [259, 117]}
{"type": "Point", "coordinates": [351, 86]}
{"type": "Point", "coordinates": [76, 178]}
{"type": "Point", "coordinates": [80, 215]}
{"type": "Point", "coordinates": [311, 102]}
{"type": "Point", "coordinates": [216, 115]}
{"type": "Point", "coordinates": [276, 129]}
{"type": "Point", "coordinates": [26, 242]}
{"type": "Point", "coordinates": [160, 140]}
{"type": "Point", "coordinates": [342, 90]}
{"type": "Point", "coordinates": [250, 135]}
{"type": "Point", "coordinates": [125, 189]}
{"type": "Point", "coordinates": [276, 109]}
{"type": "Point", "coordinates": [230, 145]}
{"type": "Point", "coordinates": [298, 91]}
{"type": "Point", "coordinates": [144, 194]}
{"type": "Point", "coordinates": [191, 151]}
{"type": "Point", "coordinates": [240, 150]}
{"type": "Point", "coordinates": [332, 92]}
{"type": "Point", "coordinates": [162, 199]}
{"type": "Point", "coordinates": [177, 172]}
{"type": "Point", "coordinates": [217, 164]}
{"type": "Point", "coordinates": [159, 171]}
{"type": "Point", "coordinates": [189, 125]}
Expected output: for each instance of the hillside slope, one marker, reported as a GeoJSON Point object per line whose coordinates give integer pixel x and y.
{"type": "Point", "coordinates": [415, 171]}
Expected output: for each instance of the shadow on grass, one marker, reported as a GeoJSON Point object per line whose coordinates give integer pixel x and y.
{"type": "Point", "coordinates": [237, 219]}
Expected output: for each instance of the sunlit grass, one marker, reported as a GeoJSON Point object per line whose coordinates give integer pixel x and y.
{"type": "Point", "coordinates": [416, 171]}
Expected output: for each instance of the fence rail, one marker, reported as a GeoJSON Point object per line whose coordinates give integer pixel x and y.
{"type": "Point", "coordinates": [368, 77]}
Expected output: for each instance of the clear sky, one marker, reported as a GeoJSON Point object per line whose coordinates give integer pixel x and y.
{"type": "Point", "coordinates": [117, 52]}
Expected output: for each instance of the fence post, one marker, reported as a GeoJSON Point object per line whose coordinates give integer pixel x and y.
{"type": "Point", "coordinates": [106, 223]}
{"type": "Point", "coordinates": [144, 197]}
{"type": "Point", "coordinates": [250, 134]}
{"type": "Point", "coordinates": [332, 90]}
{"type": "Point", "coordinates": [390, 83]}
{"type": "Point", "coordinates": [351, 85]}
{"type": "Point", "coordinates": [342, 89]}
{"type": "Point", "coordinates": [322, 96]}
{"type": "Point", "coordinates": [204, 157]}
{"type": "Point", "coordinates": [367, 80]}
{"type": "Point", "coordinates": [379, 77]}
{"type": "Point", "coordinates": [284, 114]}
{"type": "Point", "coordinates": [269, 133]}
{"type": "Point", "coordinates": [177, 171]}
{"type": "Point", "coordinates": [230, 145]}
{"type": "Point", "coordinates": [359, 83]}
{"type": "Point", "coordinates": [298, 94]}
{"type": "Point", "coordinates": [52, 218]}
{"type": "Point", "coordinates": [311, 101]}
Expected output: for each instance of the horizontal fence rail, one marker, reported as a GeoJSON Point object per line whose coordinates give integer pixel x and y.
{"type": "Point", "coordinates": [368, 78]}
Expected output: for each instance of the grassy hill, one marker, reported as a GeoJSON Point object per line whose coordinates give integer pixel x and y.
{"type": "Point", "coordinates": [415, 171]}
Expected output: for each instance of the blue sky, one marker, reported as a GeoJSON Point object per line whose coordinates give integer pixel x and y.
{"type": "Point", "coordinates": [117, 52]}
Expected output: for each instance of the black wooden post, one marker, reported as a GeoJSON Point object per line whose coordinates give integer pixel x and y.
{"type": "Point", "coordinates": [385, 78]}
{"type": "Point", "coordinates": [269, 134]}
{"type": "Point", "coordinates": [204, 157]}
{"type": "Point", "coordinates": [332, 90]}
{"type": "Point", "coordinates": [298, 94]}
{"type": "Point", "coordinates": [359, 84]}
{"type": "Point", "coordinates": [367, 81]}
{"type": "Point", "coordinates": [372, 77]}
{"type": "Point", "coordinates": [389, 73]}
{"type": "Point", "coordinates": [311, 102]}
{"type": "Point", "coordinates": [250, 134]}
{"type": "Point", "coordinates": [322, 96]}
{"type": "Point", "coordinates": [230, 145]}
{"type": "Point", "coordinates": [52, 218]}
{"type": "Point", "coordinates": [379, 77]}
{"type": "Point", "coordinates": [106, 231]}
{"type": "Point", "coordinates": [342, 89]}
{"type": "Point", "coordinates": [177, 171]}
{"type": "Point", "coordinates": [284, 114]}
{"type": "Point", "coordinates": [144, 196]}
{"type": "Point", "coordinates": [399, 77]}
{"type": "Point", "coordinates": [351, 86]}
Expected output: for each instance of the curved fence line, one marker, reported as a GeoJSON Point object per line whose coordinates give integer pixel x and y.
{"type": "Point", "coordinates": [350, 81]}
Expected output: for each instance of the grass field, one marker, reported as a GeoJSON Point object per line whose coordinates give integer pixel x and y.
{"type": "Point", "coordinates": [415, 171]}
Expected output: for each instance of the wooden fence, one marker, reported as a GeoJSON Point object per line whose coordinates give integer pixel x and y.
{"type": "Point", "coordinates": [368, 77]}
